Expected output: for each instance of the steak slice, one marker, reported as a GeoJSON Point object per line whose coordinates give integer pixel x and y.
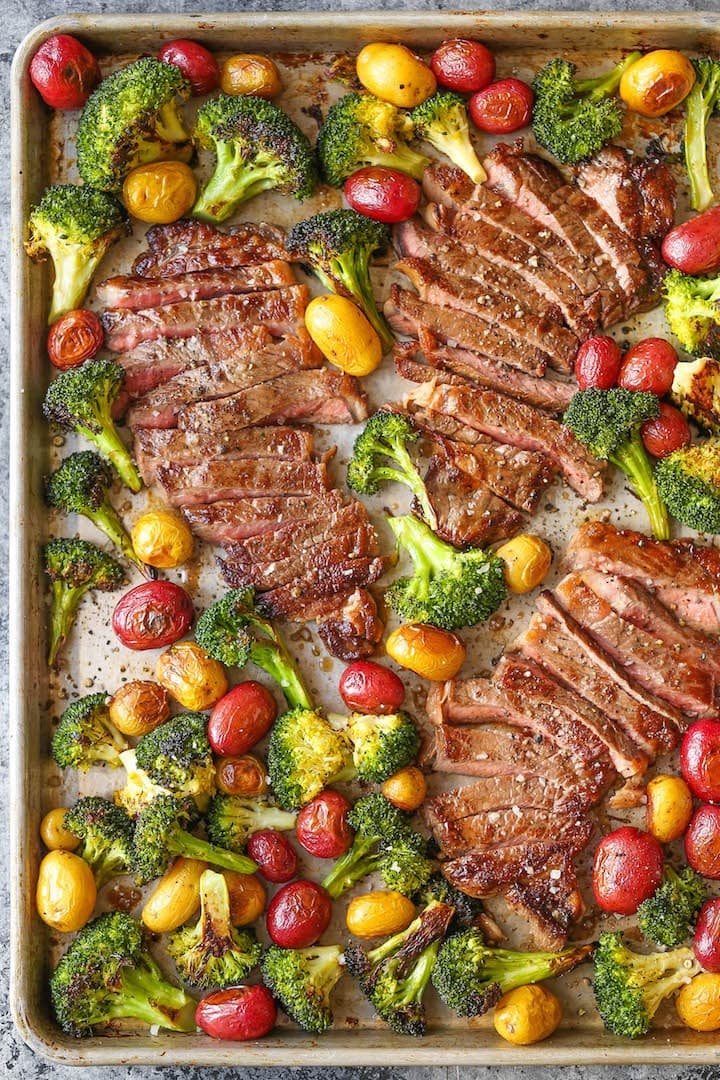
{"type": "Point", "coordinates": [190, 246]}
{"type": "Point", "coordinates": [135, 293]}
{"type": "Point", "coordinates": [468, 514]}
{"type": "Point", "coordinates": [551, 902]}
{"type": "Point", "coordinates": [317, 584]}
{"type": "Point", "coordinates": [637, 193]}
{"type": "Point", "coordinates": [508, 827]}
{"type": "Point", "coordinates": [229, 520]}
{"type": "Point", "coordinates": [351, 627]}
{"type": "Point", "coordinates": [485, 873]}
{"type": "Point", "coordinates": [318, 397]}
{"type": "Point", "coordinates": [247, 478]}
{"type": "Point", "coordinates": [510, 421]}
{"type": "Point", "coordinates": [503, 791]}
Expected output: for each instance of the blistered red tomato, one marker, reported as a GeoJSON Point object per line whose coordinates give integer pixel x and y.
{"type": "Point", "coordinates": [298, 915]}
{"type": "Point", "coordinates": [276, 859]}
{"type": "Point", "coordinates": [650, 366]}
{"type": "Point", "coordinates": [322, 825]}
{"type": "Point", "coordinates": [706, 942]}
{"type": "Point", "coordinates": [74, 338]}
{"type": "Point", "coordinates": [197, 64]}
{"type": "Point", "coordinates": [241, 719]}
{"type": "Point", "coordinates": [702, 841]}
{"type": "Point", "coordinates": [463, 65]}
{"type": "Point", "coordinates": [238, 1014]}
{"type": "Point", "coordinates": [64, 72]}
{"type": "Point", "coordinates": [502, 107]}
{"type": "Point", "coordinates": [383, 194]}
{"type": "Point", "coordinates": [700, 759]}
{"type": "Point", "coordinates": [152, 615]}
{"type": "Point", "coordinates": [597, 363]}
{"type": "Point", "coordinates": [694, 246]}
{"type": "Point", "coordinates": [371, 688]}
{"type": "Point", "coordinates": [667, 432]}
{"type": "Point", "coordinates": [627, 869]}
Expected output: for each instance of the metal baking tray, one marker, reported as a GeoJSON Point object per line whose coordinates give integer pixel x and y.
{"type": "Point", "coordinates": [302, 44]}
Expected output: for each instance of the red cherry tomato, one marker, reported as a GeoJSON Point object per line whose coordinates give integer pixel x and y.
{"type": "Point", "coordinates": [276, 859]}
{"type": "Point", "coordinates": [239, 1014]}
{"type": "Point", "coordinates": [702, 842]}
{"type": "Point", "coordinates": [597, 363]}
{"type": "Point", "coordinates": [627, 869]}
{"type": "Point", "coordinates": [241, 719]}
{"type": "Point", "coordinates": [383, 194]}
{"type": "Point", "coordinates": [502, 107]}
{"type": "Point", "coordinates": [64, 72]}
{"type": "Point", "coordinates": [198, 65]}
{"type": "Point", "coordinates": [667, 432]}
{"type": "Point", "coordinates": [322, 826]}
{"type": "Point", "coordinates": [152, 615]}
{"type": "Point", "coordinates": [706, 942]}
{"type": "Point", "coordinates": [463, 65]}
{"type": "Point", "coordinates": [370, 688]}
{"type": "Point", "coordinates": [298, 915]}
{"type": "Point", "coordinates": [74, 338]}
{"type": "Point", "coordinates": [700, 759]}
{"type": "Point", "coordinates": [649, 365]}
{"type": "Point", "coordinates": [694, 246]}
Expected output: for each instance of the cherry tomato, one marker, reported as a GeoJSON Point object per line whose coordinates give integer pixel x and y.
{"type": "Point", "coordinates": [197, 64]}
{"type": "Point", "coordinates": [694, 246]}
{"type": "Point", "coordinates": [667, 432]}
{"type": "Point", "coordinates": [502, 107]}
{"type": "Point", "coordinates": [322, 825]}
{"type": "Point", "coordinates": [649, 365]}
{"type": "Point", "coordinates": [152, 615]}
{"type": "Point", "coordinates": [74, 338]}
{"type": "Point", "coordinates": [463, 65]}
{"type": "Point", "coordinates": [702, 841]}
{"type": "Point", "coordinates": [276, 859]}
{"type": "Point", "coordinates": [238, 1014]}
{"type": "Point", "coordinates": [370, 688]}
{"type": "Point", "coordinates": [241, 719]}
{"type": "Point", "coordinates": [383, 194]}
{"type": "Point", "coordinates": [64, 72]}
{"type": "Point", "coordinates": [597, 363]}
{"type": "Point", "coordinates": [298, 915]}
{"type": "Point", "coordinates": [700, 759]}
{"type": "Point", "coordinates": [627, 869]}
{"type": "Point", "coordinates": [706, 942]}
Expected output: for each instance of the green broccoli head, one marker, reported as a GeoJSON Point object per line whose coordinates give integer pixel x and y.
{"type": "Point", "coordinates": [303, 980]}
{"type": "Point", "coordinates": [305, 755]}
{"type": "Point", "coordinates": [178, 757]}
{"type": "Point", "coordinates": [74, 226]}
{"type": "Point", "coordinates": [385, 841]}
{"type": "Point", "coordinates": [696, 392]}
{"type": "Point", "coordinates": [231, 819]}
{"type": "Point", "coordinates": [139, 790]}
{"type": "Point", "coordinates": [74, 568]}
{"type": "Point", "coordinates": [668, 917]}
{"type": "Point", "coordinates": [257, 148]}
{"type": "Point", "coordinates": [700, 104]}
{"type": "Point", "coordinates": [85, 735]}
{"type": "Point", "coordinates": [106, 835]}
{"type": "Point", "coordinates": [467, 909]}
{"type": "Point", "coordinates": [132, 119]}
{"type": "Point", "coordinates": [403, 863]}
{"type": "Point", "coordinates": [689, 484]}
{"type": "Point", "coordinates": [442, 121]}
{"type": "Point", "coordinates": [381, 744]}
{"type": "Point", "coordinates": [361, 130]}
{"type": "Point", "coordinates": [692, 309]}
{"type": "Point", "coordinates": [381, 453]}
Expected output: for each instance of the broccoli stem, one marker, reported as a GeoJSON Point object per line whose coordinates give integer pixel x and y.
{"type": "Point", "coordinates": [355, 864]}
{"type": "Point", "coordinates": [145, 995]}
{"type": "Point", "coordinates": [413, 987]}
{"type": "Point", "coordinates": [114, 449]}
{"type": "Point", "coordinates": [605, 85]}
{"type": "Point", "coordinates": [402, 158]}
{"type": "Point", "coordinates": [408, 476]}
{"type": "Point", "coordinates": [192, 847]}
{"type": "Point", "coordinates": [633, 459]}
{"type": "Point", "coordinates": [428, 553]}
{"type": "Point", "coordinates": [275, 661]}
{"type": "Point", "coordinates": [233, 182]}
{"type": "Point", "coordinates": [73, 274]}
{"type": "Point", "coordinates": [698, 110]}
{"type": "Point", "coordinates": [108, 522]}
{"type": "Point", "coordinates": [65, 604]}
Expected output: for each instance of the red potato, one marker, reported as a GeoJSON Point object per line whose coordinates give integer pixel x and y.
{"type": "Point", "coordinates": [502, 107]}
{"type": "Point", "coordinates": [463, 65]}
{"type": "Point", "coordinates": [370, 688]}
{"type": "Point", "coordinates": [597, 363]}
{"type": "Point", "coordinates": [241, 719]}
{"type": "Point", "coordinates": [298, 915]}
{"type": "Point", "coordinates": [700, 759]}
{"type": "Point", "coordinates": [197, 64]}
{"type": "Point", "coordinates": [276, 859]}
{"type": "Point", "coordinates": [694, 246]}
{"type": "Point", "coordinates": [667, 432]}
{"type": "Point", "coordinates": [706, 942]}
{"type": "Point", "coordinates": [627, 869]}
{"type": "Point", "coordinates": [152, 615]}
{"type": "Point", "coordinates": [238, 1014]}
{"type": "Point", "coordinates": [702, 842]}
{"type": "Point", "coordinates": [383, 194]}
{"type": "Point", "coordinates": [322, 826]}
{"type": "Point", "coordinates": [649, 365]}
{"type": "Point", "coordinates": [64, 72]}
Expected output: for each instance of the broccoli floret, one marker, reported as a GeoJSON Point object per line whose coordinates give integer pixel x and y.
{"type": "Point", "coordinates": [689, 484]}
{"type": "Point", "coordinates": [449, 588]}
{"type": "Point", "coordinates": [471, 977]}
{"type": "Point", "coordinates": [700, 104]}
{"type": "Point", "coordinates": [232, 819]}
{"type": "Point", "coordinates": [337, 245]}
{"type": "Point", "coordinates": [159, 835]}
{"type": "Point", "coordinates": [86, 736]}
{"type": "Point", "coordinates": [467, 908]}
{"type": "Point", "coordinates": [442, 121]}
{"type": "Point", "coordinates": [629, 988]}
{"type": "Point", "coordinates": [108, 974]}
{"type": "Point", "coordinates": [387, 435]}
{"type": "Point", "coordinates": [257, 148]}
{"type": "Point", "coordinates": [80, 486]}
{"type": "Point", "coordinates": [177, 756]}
{"type": "Point", "coordinates": [225, 632]}
{"type": "Point", "coordinates": [74, 568]}
{"type": "Point", "coordinates": [381, 744]}
{"type": "Point", "coordinates": [132, 119]}
{"type": "Point", "coordinates": [574, 118]}
{"type": "Point", "coordinates": [668, 916]}
{"type": "Point", "coordinates": [303, 980]}
{"type": "Point", "coordinates": [139, 790]}
{"type": "Point", "coordinates": [74, 226]}
{"type": "Point", "coordinates": [692, 309]}
{"type": "Point", "coordinates": [81, 400]}
{"type": "Point", "coordinates": [213, 952]}
{"type": "Point", "coordinates": [305, 755]}
{"type": "Point", "coordinates": [608, 423]}
{"type": "Point", "coordinates": [696, 392]}
{"type": "Point", "coordinates": [361, 130]}
{"type": "Point", "coordinates": [106, 835]}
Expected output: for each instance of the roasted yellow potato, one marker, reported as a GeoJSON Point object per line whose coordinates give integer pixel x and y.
{"type": "Point", "coordinates": [162, 539]}
{"type": "Point", "coordinates": [247, 897]}
{"type": "Point", "coordinates": [395, 74]}
{"type": "Point", "coordinates": [343, 334]}
{"type": "Point", "coordinates": [527, 1014]}
{"type": "Point", "coordinates": [161, 192]}
{"type": "Point", "coordinates": [428, 651]}
{"type": "Point", "coordinates": [406, 788]}
{"type": "Point", "coordinates": [669, 807]}
{"type": "Point", "coordinates": [657, 82]}
{"type": "Point", "coordinates": [175, 898]}
{"type": "Point", "coordinates": [139, 707]}
{"type": "Point", "coordinates": [53, 833]}
{"type": "Point", "coordinates": [191, 676]}
{"type": "Point", "coordinates": [527, 560]}
{"type": "Point", "coordinates": [66, 891]}
{"type": "Point", "coordinates": [698, 1003]}
{"type": "Point", "coordinates": [248, 73]}
{"type": "Point", "coordinates": [378, 914]}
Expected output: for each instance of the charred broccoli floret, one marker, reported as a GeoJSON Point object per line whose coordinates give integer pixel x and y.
{"type": "Point", "coordinates": [132, 119]}
{"type": "Point", "coordinates": [81, 400]}
{"type": "Point", "coordinates": [177, 756]}
{"type": "Point", "coordinates": [442, 121]}
{"type": "Point", "coordinates": [696, 392]}
{"type": "Point", "coordinates": [692, 309]}
{"type": "Point", "coordinates": [700, 104]}
{"type": "Point", "coordinates": [231, 819]}
{"type": "Point", "coordinates": [381, 744]}
{"type": "Point", "coordinates": [303, 980]}
{"type": "Point", "coordinates": [74, 568]}
{"type": "Point", "coordinates": [257, 147]}
{"type": "Point", "coordinates": [467, 908]}
{"type": "Point", "coordinates": [74, 226]}
{"type": "Point", "coordinates": [213, 952]}
{"type": "Point", "coordinates": [139, 790]}
{"type": "Point", "coordinates": [689, 484]}
{"type": "Point", "coordinates": [381, 454]}
{"type": "Point", "coordinates": [337, 245]}
{"type": "Point", "coordinates": [106, 836]}
{"type": "Point", "coordinates": [668, 917]}
{"type": "Point", "coordinates": [108, 974]}
{"type": "Point", "coordinates": [86, 736]}
{"type": "Point", "coordinates": [305, 755]}
{"type": "Point", "coordinates": [361, 130]}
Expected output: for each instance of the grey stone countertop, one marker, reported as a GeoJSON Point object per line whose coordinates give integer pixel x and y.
{"type": "Point", "coordinates": [18, 17]}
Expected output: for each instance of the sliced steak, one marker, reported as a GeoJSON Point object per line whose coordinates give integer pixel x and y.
{"type": "Point", "coordinates": [637, 193]}
{"type": "Point", "coordinates": [135, 293]}
{"type": "Point", "coordinates": [508, 827]}
{"type": "Point", "coordinates": [189, 246]}
{"type": "Point", "coordinates": [500, 792]}
{"type": "Point", "coordinates": [468, 514]}
{"type": "Point", "coordinates": [485, 873]}
{"type": "Point", "coordinates": [317, 584]}
{"type": "Point", "coordinates": [230, 520]}
{"type": "Point", "coordinates": [296, 536]}
{"type": "Point", "coordinates": [551, 902]}
{"type": "Point", "coordinates": [248, 478]}
{"type": "Point", "coordinates": [351, 629]}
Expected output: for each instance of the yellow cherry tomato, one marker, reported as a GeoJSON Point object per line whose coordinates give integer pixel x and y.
{"type": "Point", "coordinates": [343, 334]}
{"type": "Point", "coordinates": [698, 1003]}
{"type": "Point", "coordinates": [527, 560]}
{"type": "Point", "coordinates": [161, 192]}
{"type": "Point", "coordinates": [53, 833]}
{"type": "Point", "coordinates": [428, 651]}
{"type": "Point", "coordinates": [176, 897]}
{"type": "Point", "coordinates": [657, 82]}
{"type": "Point", "coordinates": [66, 891]}
{"type": "Point", "coordinates": [669, 807]}
{"type": "Point", "coordinates": [395, 74]}
{"type": "Point", "coordinates": [162, 539]}
{"type": "Point", "coordinates": [527, 1014]}
{"type": "Point", "coordinates": [406, 788]}
{"type": "Point", "coordinates": [191, 676]}
{"type": "Point", "coordinates": [248, 73]}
